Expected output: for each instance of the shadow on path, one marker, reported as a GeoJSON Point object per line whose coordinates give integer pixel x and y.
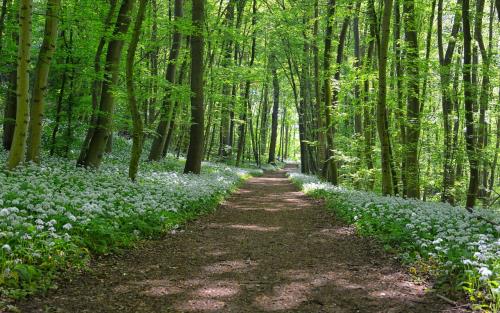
{"type": "Point", "coordinates": [269, 248]}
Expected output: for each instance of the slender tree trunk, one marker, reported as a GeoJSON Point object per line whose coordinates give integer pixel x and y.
{"type": "Point", "coordinates": [158, 145]}
{"type": "Point", "coordinates": [171, 126]}
{"type": "Point", "coordinates": [335, 96]}
{"type": "Point", "coordinates": [329, 167]}
{"type": "Point", "coordinates": [486, 52]}
{"type": "Point", "coordinates": [400, 110]}
{"type": "Point", "coordinates": [41, 79]}
{"type": "Point", "coordinates": [97, 83]}
{"type": "Point", "coordinates": [382, 120]}
{"type": "Point", "coordinates": [195, 151]}
{"type": "Point", "coordinates": [274, 117]}
{"type": "Point", "coordinates": [225, 121]}
{"type": "Point", "coordinates": [319, 109]}
{"type": "Point", "coordinates": [60, 99]}
{"type": "Point", "coordinates": [264, 119]}
{"type": "Point", "coordinates": [247, 115]}
{"type": "Point", "coordinates": [16, 153]}
{"type": "Point", "coordinates": [413, 101]}
{"type": "Point", "coordinates": [445, 60]}
{"type": "Point", "coordinates": [150, 110]}
{"type": "Point", "coordinates": [368, 107]}
{"type": "Point", "coordinates": [358, 118]}
{"type": "Point", "coordinates": [97, 144]}
{"type": "Point", "coordinates": [469, 103]}
{"type": "Point", "coordinates": [69, 107]}
{"type": "Point", "coordinates": [9, 123]}
{"type": "Point", "coordinates": [137, 133]}
{"type": "Point", "coordinates": [427, 55]}
{"type": "Point", "coordinates": [3, 15]}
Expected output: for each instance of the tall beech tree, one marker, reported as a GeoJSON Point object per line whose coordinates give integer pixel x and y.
{"type": "Point", "coordinates": [167, 108]}
{"type": "Point", "coordinates": [18, 146]}
{"type": "Point", "coordinates": [329, 168]}
{"type": "Point", "coordinates": [41, 78]}
{"type": "Point", "coordinates": [469, 103]}
{"type": "Point", "coordinates": [102, 129]}
{"type": "Point", "coordinates": [138, 125]}
{"type": "Point", "coordinates": [413, 102]}
{"type": "Point", "coordinates": [382, 119]}
{"type": "Point", "coordinates": [195, 151]}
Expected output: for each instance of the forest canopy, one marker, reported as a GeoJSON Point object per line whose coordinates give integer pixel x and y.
{"type": "Point", "coordinates": [400, 97]}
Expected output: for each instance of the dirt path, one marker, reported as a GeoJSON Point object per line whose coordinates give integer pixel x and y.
{"type": "Point", "coordinates": [269, 248]}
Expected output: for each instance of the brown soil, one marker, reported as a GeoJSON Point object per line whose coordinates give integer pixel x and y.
{"type": "Point", "coordinates": [269, 248]}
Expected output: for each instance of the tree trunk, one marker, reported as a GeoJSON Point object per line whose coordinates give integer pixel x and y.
{"type": "Point", "coordinates": [447, 102]}
{"type": "Point", "coordinates": [97, 83]}
{"type": "Point", "coordinates": [413, 101]}
{"type": "Point", "coordinates": [358, 118]}
{"type": "Point", "coordinates": [225, 121]}
{"type": "Point", "coordinates": [264, 119]}
{"type": "Point", "coordinates": [400, 111]}
{"type": "Point", "coordinates": [368, 107]}
{"type": "Point", "coordinates": [137, 124]}
{"type": "Point", "coordinates": [60, 99]}
{"type": "Point", "coordinates": [247, 115]}
{"type": "Point", "coordinates": [9, 123]}
{"type": "Point", "coordinates": [319, 109]}
{"type": "Point", "coordinates": [469, 103]}
{"type": "Point", "coordinates": [16, 153]}
{"type": "Point", "coordinates": [274, 117]}
{"type": "Point", "coordinates": [382, 120]}
{"type": "Point", "coordinates": [329, 167]}
{"type": "Point", "coordinates": [335, 97]}
{"type": "Point", "coordinates": [158, 145]}
{"type": "Point", "coordinates": [41, 79]}
{"type": "Point", "coordinates": [195, 151]}
{"type": "Point", "coordinates": [97, 144]}
{"type": "Point", "coordinates": [482, 135]}
{"type": "Point", "coordinates": [3, 15]}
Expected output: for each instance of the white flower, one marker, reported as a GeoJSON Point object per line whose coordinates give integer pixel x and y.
{"type": "Point", "coordinates": [485, 272]}
{"type": "Point", "coordinates": [7, 248]}
{"type": "Point", "coordinates": [67, 226]}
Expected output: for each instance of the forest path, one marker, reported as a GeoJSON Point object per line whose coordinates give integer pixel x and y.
{"type": "Point", "coordinates": [268, 248]}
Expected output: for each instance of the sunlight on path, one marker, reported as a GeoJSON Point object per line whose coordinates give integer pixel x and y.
{"type": "Point", "coordinates": [268, 248]}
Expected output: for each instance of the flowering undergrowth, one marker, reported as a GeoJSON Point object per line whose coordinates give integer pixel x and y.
{"type": "Point", "coordinates": [460, 249]}
{"type": "Point", "coordinates": [54, 216]}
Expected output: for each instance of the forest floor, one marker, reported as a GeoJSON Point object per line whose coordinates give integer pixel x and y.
{"type": "Point", "coordinates": [268, 248]}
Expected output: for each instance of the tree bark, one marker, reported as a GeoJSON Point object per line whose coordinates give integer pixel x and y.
{"type": "Point", "coordinates": [41, 79]}
{"type": "Point", "coordinates": [319, 109]}
{"type": "Point", "coordinates": [248, 105]}
{"type": "Point", "coordinates": [274, 116]}
{"type": "Point", "coordinates": [413, 100]}
{"type": "Point", "coordinates": [329, 167]}
{"type": "Point", "coordinates": [447, 102]}
{"type": "Point", "coordinates": [3, 15]}
{"type": "Point", "coordinates": [469, 103]}
{"type": "Point", "coordinates": [400, 108]}
{"type": "Point", "coordinates": [225, 120]}
{"type": "Point", "coordinates": [97, 83]}
{"type": "Point", "coordinates": [17, 150]}
{"type": "Point", "coordinates": [195, 151]}
{"type": "Point", "coordinates": [97, 144]}
{"type": "Point", "coordinates": [137, 124]}
{"type": "Point", "coordinates": [382, 120]}
{"type": "Point", "coordinates": [158, 145]}
{"type": "Point", "coordinates": [9, 123]}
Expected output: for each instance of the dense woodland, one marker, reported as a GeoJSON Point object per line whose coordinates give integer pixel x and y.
{"type": "Point", "coordinates": [372, 98]}
{"type": "Point", "coordinates": [399, 96]}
